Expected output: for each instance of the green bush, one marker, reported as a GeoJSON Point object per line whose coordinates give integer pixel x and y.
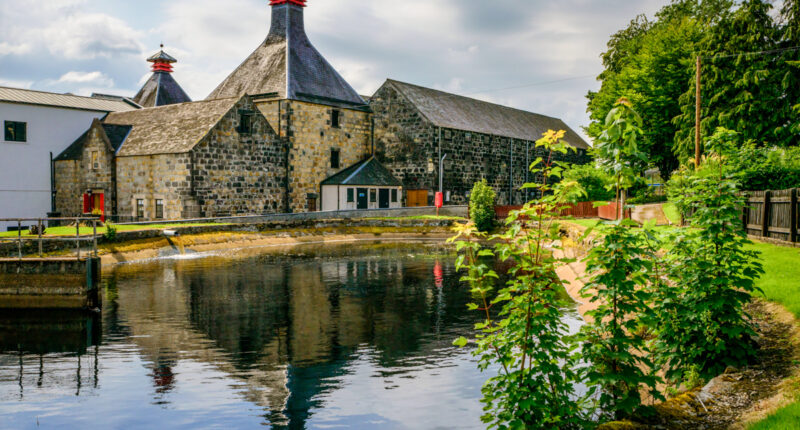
{"type": "Point", "coordinates": [481, 206]}
{"type": "Point", "coordinates": [111, 232]}
{"type": "Point", "coordinates": [594, 181]}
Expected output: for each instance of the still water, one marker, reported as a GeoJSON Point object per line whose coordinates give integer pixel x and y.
{"type": "Point", "coordinates": [350, 336]}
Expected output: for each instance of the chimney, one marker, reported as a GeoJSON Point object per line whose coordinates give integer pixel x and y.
{"type": "Point", "coordinates": [287, 18]}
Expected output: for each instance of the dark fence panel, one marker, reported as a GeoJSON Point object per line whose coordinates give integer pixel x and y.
{"type": "Point", "coordinates": [772, 215]}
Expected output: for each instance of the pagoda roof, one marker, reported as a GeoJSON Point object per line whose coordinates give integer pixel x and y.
{"type": "Point", "coordinates": [287, 66]}
{"type": "Point", "coordinates": [160, 90]}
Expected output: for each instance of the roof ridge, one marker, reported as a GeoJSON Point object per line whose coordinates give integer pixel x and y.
{"type": "Point", "coordinates": [174, 105]}
{"type": "Point", "coordinates": [58, 94]}
{"type": "Point", "coordinates": [471, 98]}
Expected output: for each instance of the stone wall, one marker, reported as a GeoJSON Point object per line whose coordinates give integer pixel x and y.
{"type": "Point", "coordinates": [409, 145]}
{"type": "Point", "coordinates": [311, 139]}
{"type": "Point", "coordinates": [75, 177]}
{"type": "Point", "coordinates": [236, 174]}
{"type": "Point", "coordinates": [68, 188]}
{"type": "Point", "coordinates": [153, 177]}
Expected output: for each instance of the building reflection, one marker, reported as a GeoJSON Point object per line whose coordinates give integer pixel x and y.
{"type": "Point", "coordinates": [284, 329]}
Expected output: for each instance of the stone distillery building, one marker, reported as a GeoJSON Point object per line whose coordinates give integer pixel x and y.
{"type": "Point", "coordinates": [283, 126]}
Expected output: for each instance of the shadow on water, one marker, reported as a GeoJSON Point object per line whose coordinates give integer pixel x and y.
{"type": "Point", "coordinates": [355, 336]}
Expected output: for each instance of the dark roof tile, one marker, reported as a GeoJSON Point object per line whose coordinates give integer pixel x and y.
{"type": "Point", "coordinates": [369, 172]}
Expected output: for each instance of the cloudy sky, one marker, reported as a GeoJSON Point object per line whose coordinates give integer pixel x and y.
{"type": "Point", "coordinates": [538, 55]}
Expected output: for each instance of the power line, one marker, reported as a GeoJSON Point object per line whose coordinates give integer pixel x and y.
{"type": "Point", "coordinates": [748, 54]}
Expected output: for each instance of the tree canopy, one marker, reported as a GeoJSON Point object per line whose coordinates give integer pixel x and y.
{"type": "Point", "coordinates": [750, 78]}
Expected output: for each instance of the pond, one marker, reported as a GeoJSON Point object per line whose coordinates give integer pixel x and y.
{"type": "Point", "coordinates": [349, 336]}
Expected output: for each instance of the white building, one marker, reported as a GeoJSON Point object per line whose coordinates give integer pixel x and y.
{"type": "Point", "coordinates": [365, 185]}
{"type": "Point", "coordinates": [36, 124]}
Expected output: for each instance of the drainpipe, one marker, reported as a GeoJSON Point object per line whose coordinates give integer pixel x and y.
{"type": "Point", "coordinates": [527, 169]}
{"type": "Point", "coordinates": [441, 173]}
{"type": "Point", "coordinates": [287, 197]}
{"type": "Point", "coordinates": [511, 174]}
{"type": "Point", "coordinates": [440, 159]}
{"type": "Point", "coordinates": [52, 184]}
{"type": "Point", "coordinates": [372, 134]}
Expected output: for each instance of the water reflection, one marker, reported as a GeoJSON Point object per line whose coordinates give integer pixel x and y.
{"type": "Point", "coordinates": [354, 337]}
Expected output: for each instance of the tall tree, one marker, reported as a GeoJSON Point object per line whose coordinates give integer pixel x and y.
{"type": "Point", "coordinates": [650, 63]}
{"type": "Point", "coordinates": [746, 82]}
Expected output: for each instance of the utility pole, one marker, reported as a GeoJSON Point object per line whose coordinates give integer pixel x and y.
{"type": "Point", "coordinates": [697, 118]}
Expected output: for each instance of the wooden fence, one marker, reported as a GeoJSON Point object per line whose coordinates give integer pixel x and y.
{"type": "Point", "coordinates": [576, 210]}
{"type": "Point", "coordinates": [772, 215]}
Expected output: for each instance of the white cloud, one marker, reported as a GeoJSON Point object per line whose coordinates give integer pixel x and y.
{"type": "Point", "coordinates": [15, 83]}
{"type": "Point", "coordinates": [96, 78]}
{"type": "Point", "coordinates": [14, 49]}
{"type": "Point", "coordinates": [90, 36]}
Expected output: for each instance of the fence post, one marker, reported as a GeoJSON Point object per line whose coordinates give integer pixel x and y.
{"type": "Point", "coordinates": [41, 254]}
{"type": "Point", "coordinates": [19, 237]}
{"type": "Point", "coordinates": [78, 237]}
{"type": "Point", "coordinates": [765, 214]}
{"type": "Point", "coordinates": [793, 216]}
{"type": "Point", "coordinates": [746, 211]}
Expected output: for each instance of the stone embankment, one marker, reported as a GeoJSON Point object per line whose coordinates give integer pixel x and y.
{"type": "Point", "coordinates": [134, 245]}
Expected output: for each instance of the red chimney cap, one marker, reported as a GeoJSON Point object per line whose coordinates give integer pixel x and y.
{"type": "Point", "coordinates": [301, 3]}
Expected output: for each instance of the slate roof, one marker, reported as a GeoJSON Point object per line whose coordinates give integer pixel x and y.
{"type": "Point", "coordinates": [369, 172]}
{"type": "Point", "coordinates": [116, 135]}
{"type": "Point", "coordinates": [468, 114]}
{"type": "Point", "coordinates": [287, 66]}
{"type": "Point", "coordinates": [69, 101]}
{"type": "Point", "coordinates": [160, 90]}
{"type": "Point", "coordinates": [162, 57]}
{"type": "Point", "coordinates": [171, 129]}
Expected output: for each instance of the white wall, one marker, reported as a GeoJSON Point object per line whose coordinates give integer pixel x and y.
{"type": "Point", "coordinates": [329, 197]}
{"type": "Point", "coordinates": [25, 166]}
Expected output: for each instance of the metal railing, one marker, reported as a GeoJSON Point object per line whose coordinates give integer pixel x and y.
{"type": "Point", "coordinates": [41, 238]}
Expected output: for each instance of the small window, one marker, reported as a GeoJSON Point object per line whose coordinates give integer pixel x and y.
{"type": "Point", "coordinates": [94, 160]}
{"type": "Point", "coordinates": [159, 209]}
{"type": "Point", "coordinates": [16, 131]}
{"type": "Point", "coordinates": [373, 195]}
{"type": "Point", "coordinates": [351, 195]}
{"type": "Point", "coordinates": [140, 208]}
{"type": "Point", "coordinates": [245, 123]}
{"type": "Point", "coordinates": [394, 196]}
{"type": "Point", "coordinates": [336, 118]}
{"type": "Point", "coordinates": [335, 158]}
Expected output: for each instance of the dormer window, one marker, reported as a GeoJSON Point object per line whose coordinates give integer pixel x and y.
{"type": "Point", "coordinates": [336, 118]}
{"type": "Point", "coordinates": [245, 122]}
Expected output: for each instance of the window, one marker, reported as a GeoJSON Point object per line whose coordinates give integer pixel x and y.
{"type": "Point", "coordinates": [245, 123]}
{"type": "Point", "coordinates": [351, 195]}
{"type": "Point", "coordinates": [140, 208]}
{"type": "Point", "coordinates": [159, 209]}
{"type": "Point", "coordinates": [335, 158]}
{"type": "Point", "coordinates": [373, 195]}
{"type": "Point", "coordinates": [16, 131]}
{"type": "Point", "coordinates": [394, 196]}
{"type": "Point", "coordinates": [336, 118]}
{"type": "Point", "coordinates": [94, 160]}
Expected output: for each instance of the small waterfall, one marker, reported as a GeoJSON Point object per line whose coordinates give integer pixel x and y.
{"type": "Point", "coordinates": [175, 240]}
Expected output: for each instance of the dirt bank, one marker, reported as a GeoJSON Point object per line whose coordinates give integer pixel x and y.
{"type": "Point", "coordinates": [143, 249]}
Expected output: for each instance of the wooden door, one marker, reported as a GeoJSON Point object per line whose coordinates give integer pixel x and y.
{"type": "Point", "coordinates": [417, 198]}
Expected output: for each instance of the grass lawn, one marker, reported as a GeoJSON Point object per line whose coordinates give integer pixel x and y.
{"type": "Point", "coordinates": [781, 284]}
{"type": "Point", "coordinates": [70, 231]}
{"type": "Point", "coordinates": [787, 418]}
